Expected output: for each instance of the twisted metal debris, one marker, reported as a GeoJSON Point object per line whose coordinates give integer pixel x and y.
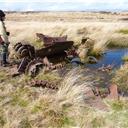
{"type": "Point", "coordinates": [33, 60]}
{"type": "Point", "coordinates": [43, 84]}
{"type": "Point", "coordinates": [24, 50]}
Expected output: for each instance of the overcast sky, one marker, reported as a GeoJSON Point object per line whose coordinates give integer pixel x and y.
{"type": "Point", "coordinates": [64, 5]}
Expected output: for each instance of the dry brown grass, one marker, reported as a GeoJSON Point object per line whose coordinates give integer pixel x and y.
{"type": "Point", "coordinates": [22, 106]}
{"type": "Point", "coordinates": [76, 25]}
{"type": "Point", "coordinates": [121, 78]}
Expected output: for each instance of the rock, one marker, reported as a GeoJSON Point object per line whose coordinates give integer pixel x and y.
{"type": "Point", "coordinates": [91, 59]}
{"type": "Point", "coordinates": [94, 101]}
{"type": "Point", "coordinates": [113, 92]}
{"type": "Point", "coordinates": [76, 61]}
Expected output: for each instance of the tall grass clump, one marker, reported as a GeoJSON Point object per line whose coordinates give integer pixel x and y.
{"type": "Point", "coordinates": [49, 76]}
{"type": "Point", "coordinates": [100, 45]}
{"type": "Point", "coordinates": [32, 107]}
{"type": "Point", "coordinates": [24, 106]}
{"type": "Point", "coordinates": [65, 108]}
{"type": "Point", "coordinates": [123, 31]}
{"type": "Point", "coordinates": [118, 114]}
{"type": "Point", "coordinates": [121, 78]}
{"type": "Point", "coordinates": [125, 57]}
{"type": "Point", "coordinates": [118, 42]}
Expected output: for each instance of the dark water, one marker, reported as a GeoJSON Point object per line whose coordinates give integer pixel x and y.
{"type": "Point", "coordinates": [113, 56]}
{"type": "Point", "coordinates": [103, 79]}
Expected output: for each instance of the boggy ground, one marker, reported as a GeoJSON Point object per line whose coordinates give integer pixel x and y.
{"type": "Point", "coordinates": [22, 106]}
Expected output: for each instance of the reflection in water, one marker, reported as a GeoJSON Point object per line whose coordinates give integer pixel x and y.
{"type": "Point", "coordinates": [113, 56]}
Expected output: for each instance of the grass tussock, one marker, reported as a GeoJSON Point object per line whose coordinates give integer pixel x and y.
{"type": "Point", "coordinates": [121, 78]}
{"type": "Point", "coordinates": [49, 76]}
{"type": "Point", "coordinates": [98, 49]}
{"type": "Point", "coordinates": [26, 31]}
{"type": "Point", "coordinates": [42, 107]}
{"type": "Point", "coordinates": [118, 114]}
{"type": "Point", "coordinates": [125, 57]}
{"type": "Point", "coordinates": [119, 105]}
{"type": "Point", "coordinates": [123, 31]}
{"type": "Point", "coordinates": [96, 52]}
{"type": "Point", "coordinates": [29, 107]}
{"type": "Point", "coordinates": [118, 41]}
{"type": "Point", "coordinates": [64, 23]}
{"type": "Point", "coordinates": [22, 106]}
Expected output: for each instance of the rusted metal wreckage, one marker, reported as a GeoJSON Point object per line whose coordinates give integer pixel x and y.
{"type": "Point", "coordinates": [33, 59]}
{"type": "Point", "coordinates": [43, 84]}
{"type": "Point", "coordinates": [48, 40]}
{"type": "Point", "coordinates": [94, 97]}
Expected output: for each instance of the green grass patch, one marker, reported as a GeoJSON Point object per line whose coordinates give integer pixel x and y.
{"type": "Point", "coordinates": [125, 58]}
{"type": "Point", "coordinates": [118, 42]}
{"type": "Point", "coordinates": [38, 44]}
{"type": "Point", "coordinates": [25, 123]}
{"type": "Point", "coordinates": [20, 97]}
{"type": "Point", "coordinates": [16, 100]}
{"type": "Point", "coordinates": [123, 31]}
{"type": "Point", "coordinates": [117, 119]}
{"type": "Point", "coordinates": [51, 77]}
{"type": "Point", "coordinates": [121, 78]}
{"type": "Point", "coordinates": [56, 118]}
{"type": "Point", "coordinates": [98, 122]}
{"type": "Point", "coordinates": [96, 53]}
{"type": "Point", "coordinates": [59, 119]}
{"type": "Point", "coordinates": [40, 107]}
{"type": "Point", "coordinates": [3, 75]}
{"type": "Point", "coordinates": [117, 105]}
{"type": "Point", "coordinates": [2, 121]}
{"type": "Point", "coordinates": [36, 108]}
